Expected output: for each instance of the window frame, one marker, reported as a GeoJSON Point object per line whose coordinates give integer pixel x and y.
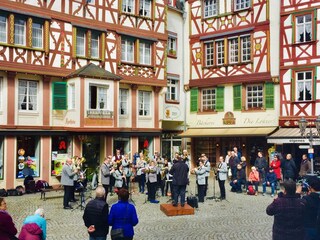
{"type": "Point", "coordinates": [126, 4]}
{"type": "Point", "coordinates": [23, 36]}
{"type": "Point", "coordinates": [1, 92]}
{"type": "Point", "coordinates": [33, 35]}
{"type": "Point", "coordinates": [172, 46]}
{"type": "Point", "coordinates": [241, 2]}
{"type": "Point", "coordinates": [125, 46]}
{"type": "Point", "coordinates": [4, 34]}
{"type": "Point", "coordinates": [97, 41]}
{"type": "Point", "coordinates": [71, 96]}
{"type": "Point", "coordinates": [255, 97]}
{"type": "Point", "coordinates": [145, 9]}
{"type": "Point", "coordinates": [124, 99]}
{"type": "Point", "coordinates": [213, 8]}
{"type": "Point", "coordinates": [173, 83]}
{"type": "Point", "coordinates": [209, 53]}
{"type": "Point", "coordinates": [143, 106]}
{"type": "Point", "coordinates": [312, 87]}
{"type": "Point", "coordinates": [98, 87]}
{"type": "Point", "coordinates": [233, 58]}
{"type": "Point", "coordinates": [83, 42]}
{"type": "Point", "coordinates": [144, 56]}
{"type": "Point", "coordinates": [296, 25]}
{"type": "Point", "coordinates": [26, 95]}
{"type": "Point", "coordinates": [208, 95]}
{"type": "Point", "coordinates": [219, 60]}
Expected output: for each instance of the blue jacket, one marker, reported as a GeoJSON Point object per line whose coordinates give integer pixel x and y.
{"type": "Point", "coordinates": [271, 177]}
{"type": "Point", "coordinates": [40, 221]}
{"type": "Point", "coordinates": [123, 215]}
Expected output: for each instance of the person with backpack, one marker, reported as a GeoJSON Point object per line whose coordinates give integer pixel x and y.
{"type": "Point", "coordinates": [253, 179]}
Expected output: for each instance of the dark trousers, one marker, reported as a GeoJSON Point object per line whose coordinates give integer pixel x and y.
{"type": "Point", "coordinates": [106, 188]}
{"type": "Point", "coordinates": [201, 190]}
{"type": "Point", "coordinates": [222, 189]}
{"type": "Point", "coordinates": [206, 187]}
{"type": "Point", "coordinates": [142, 181]}
{"type": "Point", "coordinates": [67, 195]}
{"type": "Point", "coordinates": [112, 180]}
{"type": "Point", "coordinates": [152, 188]}
{"type": "Point", "coordinates": [179, 190]}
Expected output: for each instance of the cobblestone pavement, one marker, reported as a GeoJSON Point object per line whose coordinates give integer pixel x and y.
{"type": "Point", "coordinates": [240, 217]}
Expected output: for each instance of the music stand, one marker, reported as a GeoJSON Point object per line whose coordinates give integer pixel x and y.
{"type": "Point", "coordinates": [214, 190]}
{"type": "Point", "coordinates": [82, 204]}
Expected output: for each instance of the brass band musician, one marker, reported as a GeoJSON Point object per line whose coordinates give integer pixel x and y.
{"type": "Point", "coordinates": [201, 180]}
{"type": "Point", "coordinates": [151, 177]}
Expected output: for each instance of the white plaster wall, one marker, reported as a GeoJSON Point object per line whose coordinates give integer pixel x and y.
{"type": "Point", "coordinates": [3, 98]}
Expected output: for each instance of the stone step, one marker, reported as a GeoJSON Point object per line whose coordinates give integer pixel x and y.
{"type": "Point", "coordinates": [170, 210]}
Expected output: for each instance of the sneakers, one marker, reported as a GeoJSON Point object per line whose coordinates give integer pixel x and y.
{"type": "Point", "coordinates": [272, 195]}
{"type": "Point", "coordinates": [263, 194]}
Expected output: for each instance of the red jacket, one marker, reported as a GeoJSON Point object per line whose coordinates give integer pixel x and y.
{"type": "Point", "coordinates": [276, 166]}
{"type": "Point", "coordinates": [7, 228]}
{"type": "Point", "coordinates": [30, 231]}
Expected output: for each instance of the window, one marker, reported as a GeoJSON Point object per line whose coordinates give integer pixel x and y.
{"type": "Point", "coordinates": [128, 6]}
{"type": "Point", "coordinates": [172, 90]}
{"type": "Point", "coordinates": [3, 29]}
{"type": "Point", "coordinates": [220, 52]}
{"type": "Point", "coordinates": [94, 45]}
{"type": "Point", "coordinates": [19, 31]}
{"type": "Point", "coordinates": [242, 4]}
{"type": "Point", "coordinates": [210, 8]}
{"type": "Point", "coordinates": [28, 95]}
{"type": "Point", "coordinates": [1, 158]}
{"type": "Point", "coordinates": [61, 150]}
{"type": "Point", "coordinates": [98, 97]}
{"type": "Point", "coordinates": [145, 53]}
{"type": "Point", "coordinates": [37, 41]}
{"type": "Point", "coordinates": [71, 96]}
{"type": "Point", "coordinates": [81, 41]}
{"type": "Point", "coordinates": [171, 3]}
{"type": "Point", "coordinates": [172, 46]}
{"type": "Point", "coordinates": [144, 103]}
{"type": "Point", "coordinates": [246, 48]}
{"type": "Point", "coordinates": [233, 50]}
{"type": "Point", "coordinates": [304, 28]}
{"type": "Point", "coordinates": [124, 97]}
{"type": "Point", "coordinates": [127, 50]}
{"type": "Point", "coordinates": [88, 43]}
{"type": "Point", "coordinates": [145, 8]}
{"type": "Point", "coordinates": [304, 86]}
{"type": "Point", "coordinates": [254, 96]}
{"type": "Point", "coordinates": [209, 53]}
{"type": "Point", "coordinates": [208, 99]}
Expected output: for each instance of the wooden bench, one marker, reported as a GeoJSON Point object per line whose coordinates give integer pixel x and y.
{"type": "Point", "coordinates": [43, 191]}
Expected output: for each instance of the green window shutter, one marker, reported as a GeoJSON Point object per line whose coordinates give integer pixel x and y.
{"type": "Point", "coordinates": [59, 101]}
{"type": "Point", "coordinates": [194, 100]}
{"type": "Point", "coordinates": [269, 95]}
{"type": "Point", "coordinates": [237, 105]}
{"type": "Point", "coordinates": [220, 99]}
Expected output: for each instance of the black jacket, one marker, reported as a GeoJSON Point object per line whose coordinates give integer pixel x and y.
{"type": "Point", "coordinates": [179, 172]}
{"type": "Point", "coordinates": [311, 212]}
{"type": "Point", "coordinates": [96, 213]}
{"type": "Point", "coordinates": [289, 169]}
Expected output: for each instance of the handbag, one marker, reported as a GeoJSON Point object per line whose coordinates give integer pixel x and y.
{"type": "Point", "coordinates": [117, 233]}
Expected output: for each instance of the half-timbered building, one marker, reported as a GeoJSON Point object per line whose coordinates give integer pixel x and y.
{"type": "Point", "coordinates": [78, 78]}
{"type": "Point", "coordinates": [233, 76]}
{"type": "Point", "coordinates": [299, 75]}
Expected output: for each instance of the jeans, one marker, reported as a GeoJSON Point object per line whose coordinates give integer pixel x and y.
{"type": "Point", "coordinates": [97, 238]}
{"type": "Point", "coordinates": [179, 190]}
{"type": "Point", "coordinates": [264, 187]}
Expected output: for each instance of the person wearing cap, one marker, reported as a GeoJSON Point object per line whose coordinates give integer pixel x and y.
{"type": "Point", "coordinates": [311, 212]}
{"type": "Point", "coordinates": [270, 180]}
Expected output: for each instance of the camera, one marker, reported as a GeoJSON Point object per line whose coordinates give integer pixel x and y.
{"type": "Point", "coordinates": [304, 184]}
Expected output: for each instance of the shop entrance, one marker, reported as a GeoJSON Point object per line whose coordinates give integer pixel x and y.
{"type": "Point", "coordinates": [91, 152]}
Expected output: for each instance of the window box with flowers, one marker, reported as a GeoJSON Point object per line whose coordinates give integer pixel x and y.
{"type": "Point", "coordinates": [172, 52]}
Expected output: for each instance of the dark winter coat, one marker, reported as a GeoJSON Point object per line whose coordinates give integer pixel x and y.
{"type": "Point", "coordinates": [311, 212]}
{"type": "Point", "coordinates": [289, 169]}
{"type": "Point", "coordinates": [96, 213]}
{"type": "Point", "coordinates": [7, 228]}
{"type": "Point", "coordinates": [288, 212]}
{"type": "Point", "coordinates": [179, 172]}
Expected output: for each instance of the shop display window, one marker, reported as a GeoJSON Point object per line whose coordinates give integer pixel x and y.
{"type": "Point", "coordinates": [61, 149]}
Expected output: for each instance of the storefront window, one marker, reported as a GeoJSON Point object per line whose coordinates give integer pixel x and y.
{"type": "Point", "coordinates": [61, 149]}
{"type": "Point", "coordinates": [28, 163]}
{"type": "Point", "coordinates": [146, 146]}
{"type": "Point", "coordinates": [206, 146]}
{"type": "Point", "coordinates": [121, 143]}
{"type": "Point", "coordinates": [1, 158]}
{"type": "Point", "coordinates": [170, 146]}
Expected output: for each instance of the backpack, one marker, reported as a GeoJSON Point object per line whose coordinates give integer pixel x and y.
{"type": "Point", "coordinates": [41, 184]}
{"type": "Point", "coordinates": [3, 193]}
{"type": "Point", "coordinates": [251, 190]}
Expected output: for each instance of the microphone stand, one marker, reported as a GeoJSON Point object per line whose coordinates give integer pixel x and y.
{"type": "Point", "coordinates": [214, 189]}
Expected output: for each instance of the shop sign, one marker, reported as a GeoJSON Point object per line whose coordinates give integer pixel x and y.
{"type": "Point", "coordinates": [292, 141]}
{"type": "Point", "coordinates": [229, 119]}
{"type": "Point", "coordinates": [172, 112]}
